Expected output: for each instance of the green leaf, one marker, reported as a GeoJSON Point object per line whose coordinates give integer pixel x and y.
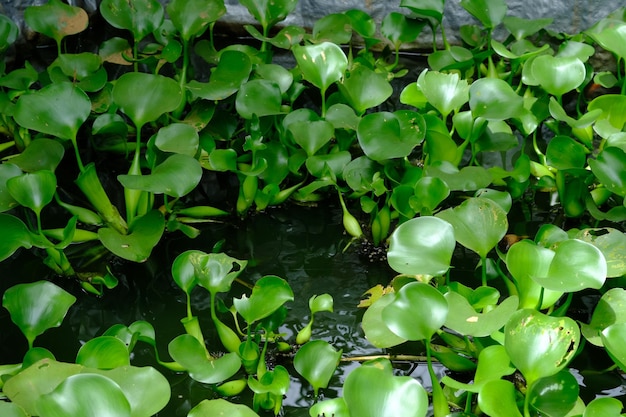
{"type": "Point", "coordinates": [103, 352]}
{"type": "Point", "coordinates": [576, 265]}
{"type": "Point", "coordinates": [342, 117]}
{"type": "Point", "coordinates": [376, 331]}
{"type": "Point", "coordinates": [220, 407]}
{"type": "Point", "coordinates": [144, 233]}
{"type": "Point", "coordinates": [613, 107]}
{"type": "Point", "coordinates": [469, 178]}
{"type": "Point", "coordinates": [214, 271]}
{"type": "Point", "coordinates": [493, 364]}
{"type": "Point", "coordinates": [33, 190]}
{"type": "Point", "coordinates": [399, 28]}
{"type": "Point", "coordinates": [233, 69]}
{"type": "Point", "coordinates": [183, 271]}
{"type": "Point", "coordinates": [364, 88]}
{"type": "Point", "coordinates": [316, 361]}
{"type": "Point", "coordinates": [612, 38]}
{"type": "Point", "coordinates": [37, 307]}
{"type": "Point", "coordinates": [429, 8]}
{"type": "Point", "coordinates": [8, 409]}
{"type": "Point", "coordinates": [464, 319]}
{"type": "Point", "coordinates": [333, 27]}
{"type": "Point", "coordinates": [8, 33]}
{"type": "Point", "coordinates": [88, 395]}
{"type": "Point", "coordinates": [145, 97]}
{"type": "Point", "coordinates": [447, 92]}
{"type": "Point", "coordinates": [58, 109]}
{"type": "Point", "coordinates": [177, 176]}
{"type": "Point", "coordinates": [522, 28]}
{"type": "Point", "coordinates": [322, 64]}
{"type": "Point", "coordinates": [604, 407]}
{"type": "Point", "coordinates": [611, 309]}
{"type": "Point", "coordinates": [56, 19]}
{"type": "Point", "coordinates": [540, 345]}
{"type": "Point", "coordinates": [312, 135]}
{"type": "Point", "coordinates": [489, 12]}
{"type": "Point", "coordinates": [497, 399]}
{"type": "Point", "coordinates": [610, 168]}
{"type": "Point", "coordinates": [258, 97]}
{"type": "Point", "coordinates": [269, 12]}
{"type": "Point", "coordinates": [494, 99]}
{"type": "Point", "coordinates": [558, 75]}
{"type": "Point", "coordinates": [555, 395]}
{"type": "Point", "coordinates": [334, 407]}
{"type": "Point", "coordinates": [416, 299]}
{"type": "Point", "coordinates": [612, 244]}
{"type": "Point", "coordinates": [41, 154]}
{"type": "Point", "coordinates": [385, 135]}
{"type": "Point", "coordinates": [429, 193]}
{"type": "Point", "coordinates": [613, 341]}
{"type": "Point", "coordinates": [564, 152]}
{"type": "Point", "coordinates": [269, 293]}
{"type": "Point", "coordinates": [372, 390]}
{"type": "Point", "coordinates": [192, 17]}
{"type": "Point", "coordinates": [479, 224]}
{"type": "Point", "coordinates": [140, 17]}
{"type": "Point", "coordinates": [179, 138]}
{"type": "Point", "coordinates": [191, 355]}
{"type": "Point", "coordinates": [16, 235]}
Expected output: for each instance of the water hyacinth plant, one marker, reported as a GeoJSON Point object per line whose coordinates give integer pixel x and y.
{"type": "Point", "coordinates": [507, 152]}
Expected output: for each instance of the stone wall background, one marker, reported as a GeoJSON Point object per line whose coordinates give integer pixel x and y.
{"type": "Point", "coordinates": [570, 16]}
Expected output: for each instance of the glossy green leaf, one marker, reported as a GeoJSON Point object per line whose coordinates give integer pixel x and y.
{"type": "Point", "coordinates": [214, 271]}
{"type": "Point", "coordinates": [56, 19]}
{"type": "Point", "coordinates": [376, 331]}
{"type": "Point", "coordinates": [422, 245]}
{"type": "Point", "coordinates": [612, 244]}
{"type": "Point", "coordinates": [191, 355]}
{"type": "Point", "coordinates": [268, 12]}
{"type": "Point", "coordinates": [178, 175]}
{"type": "Point", "coordinates": [144, 233]}
{"type": "Point", "coordinates": [554, 395]}
{"type": "Point", "coordinates": [87, 395]}
{"type": "Point", "coordinates": [8, 409]}
{"type": "Point", "coordinates": [522, 28]}
{"type": "Point", "coordinates": [332, 27]}
{"type": "Point", "coordinates": [613, 107]}
{"type": "Point", "coordinates": [145, 97]}
{"type": "Point", "coordinates": [233, 69]}
{"type": "Point", "coordinates": [318, 165]}
{"type": "Point", "coordinates": [604, 407]}
{"type": "Point", "coordinates": [495, 99]}
{"type": "Point", "coordinates": [585, 120]}
{"type": "Point", "coordinates": [140, 17]}
{"type": "Point", "coordinates": [258, 97]}
{"type": "Point", "coordinates": [526, 260]}
{"type": "Point", "coordinates": [610, 168]}
{"type": "Point", "coordinates": [385, 135]}
{"type": "Point", "coordinates": [613, 340]}
{"type": "Point", "coordinates": [16, 235]}
{"type": "Point", "coordinates": [558, 75]}
{"type": "Point", "coordinates": [498, 398]}
{"type": "Point", "coordinates": [333, 407]}
{"type": "Point", "coordinates": [417, 311]}
{"type": "Point", "coordinates": [268, 294]}
{"type": "Point", "coordinates": [429, 193]}
{"type": "Point", "coordinates": [612, 38]}
{"type": "Point", "coordinates": [468, 178]}
{"type": "Point", "coordinates": [429, 8]}
{"type": "Point", "coordinates": [316, 361]}
{"type": "Point", "coordinates": [479, 224]}
{"type": "Point", "coordinates": [399, 28]}
{"type": "Point", "coordinates": [372, 390]}
{"type": "Point", "coordinates": [576, 265]}
{"type": "Point", "coordinates": [8, 33]}
{"type": "Point", "coordinates": [321, 64]}
{"type": "Point", "coordinates": [41, 154]}
{"type": "Point", "coordinates": [611, 309]}
{"type": "Point", "coordinates": [221, 407]}
{"type": "Point", "coordinates": [103, 352]}
{"type": "Point", "coordinates": [464, 319]}
{"type": "Point", "coordinates": [554, 341]}
{"type": "Point", "coordinates": [37, 307]}
{"type": "Point", "coordinates": [183, 271]}
{"type": "Point", "coordinates": [365, 89]}
{"type": "Point", "coordinates": [58, 109]}
{"type": "Point", "coordinates": [447, 92]}
{"type": "Point", "coordinates": [192, 18]}
{"type": "Point", "coordinates": [564, 152]}
{"type": "Point", "coordinates": [489, 12]}
{"type": "Point", "coordinates": [180, 138]}
{"type": "Point", "coordinates": [493, 364]}
{"type": "Point", "coordinates": [311, 135]}
{"type": "Point", "coordinates": [33, 190]}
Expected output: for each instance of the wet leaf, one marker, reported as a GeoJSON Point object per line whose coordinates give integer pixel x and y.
{"type": "Point", "coordinates": [316, 361]}
{"type": "Point", "coordinates": [269, 293]}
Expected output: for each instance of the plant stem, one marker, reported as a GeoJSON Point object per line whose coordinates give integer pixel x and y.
{"type": "Point", "coordinates": [440, 404]}
{"type": "Point", "coordinates": [483, 262]}
{"type": "Point", "coordinates": [412, 358]}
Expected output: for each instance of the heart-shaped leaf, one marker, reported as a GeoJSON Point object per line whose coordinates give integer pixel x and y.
{"type": "Point", "coordinates": [58, 109]}
{"type": "Point", "coordinates": [214, 271]}
{"type": "Point", "coordinates": [493, 364]}
{"type": "Point", "coordinates": [192, 17]}
{"type": "Point", "coordinates": [498, 398]}
{"type": "Point", "coordinates": [258, 97]}
{"type": "Point", "coordinates": [9, 33]}
{"type": "Point", "coordinates": [269, 293]}
{"type": "Point", "coordinates": [40, 154]}
{"type": "Point", "coordinates": [385, 135]}
{"type": "Point", "coordinates": [610, 168]}
{"type": "Point", "coordinates": [88, 395]}
{"type": "Point", "coordinates": [103, 352]}
{"type": "Point", "coordinates": [447, 92]}
{"type": "Point", "coordinates": [191, 355]}
{"type": "Point", "coordinates": [37, 307]}
{"type": "Point", "coordinates": [269, 12]}
{"type": "Point", "coordinates": [365, 89]}
{"type": "Point", "coordinates": [16, 235]}
{"type": "Point", "coordinates": [372, 390]}
{"type": "Point", "coordinates": [611, 309]}
{"type": "Point", "coordinates": [221, 407]}
{"type": "Point", "coordinates": [495, 99]}
{"type": "Point", "coordinates": [144, 233]}
{"type": "Point", "coordinates": [145, 97]}
{"type": "Point", "coordinates": [56, 19]}
{"type": "Point", "coordinates": [612, 244]}
{"type": "Point", "coordinates": [321, 64]}
{"type": "Point", "coordinates": [540, 345]}
{"type": "Point", "coordinates": [316, 361]}
{"type": "Point", "coordinates": [555, 395]}
{"type": "Point", "coordinates": [604, 407]}
{"type": "Point", "coordinates": [417, 311]}
{"type": "Point", "coordinates": [311, 135]}
{"type": "Point", "coordinates": [334, 407]}
{"type": "Point", "coordinates": [375, 329]}
{"type": "Point", "coordinates": [429, 193]}
{"type": "Point", "coordinates": [178, 175]}
{"type": "Point", "coordinates": [231, 72]}
{"type": "Point", "coordinates": [479, 224]}
{"type": "Point", "coordinates": [399, 28]}
{"type": "Point", "coordinates": [140, 17]}
{"type": "Point", "coordinates": [33, 190]}
{"type": "Point", "coordinates": [489, 12]}
{"type": "Point", "coordinates": [423, 245]}
{"type": "Point", "coordinates": [464, 319]}
{"type": "Point", "coordinates": [180, 138]}
{"type": "Point", "coordinates": [558, 75]}
{"type": "Point", "coordinates": [469, 178]}
{"type": "Point", "coordinates": [429, 8]}
{"type": "Point", "coordinates": [576, 265]}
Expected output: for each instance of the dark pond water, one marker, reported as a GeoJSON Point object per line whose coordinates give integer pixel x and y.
{"type": "Point", "coordinates": [304, 245]}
